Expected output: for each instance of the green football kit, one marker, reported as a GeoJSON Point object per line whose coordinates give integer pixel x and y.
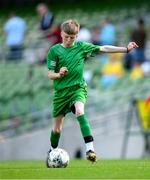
{"type": "Point", "coordinates": [72, 87]}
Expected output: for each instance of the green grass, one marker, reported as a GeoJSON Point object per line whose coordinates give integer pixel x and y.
{"type": "Point", "coordinates": [81, 169]}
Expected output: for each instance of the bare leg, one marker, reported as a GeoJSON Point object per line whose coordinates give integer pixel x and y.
{"type": "Point", "coordinates": [58, 122]}
{"type": "Point", "coordinates": [55, 133]}
{"type": "Point", "coordinates": [79, 108]}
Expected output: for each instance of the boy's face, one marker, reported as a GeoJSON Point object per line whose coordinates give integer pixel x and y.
{"type": "Point", "coordinates": [67, 39]}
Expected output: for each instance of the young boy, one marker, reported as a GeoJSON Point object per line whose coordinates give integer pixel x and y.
{"type": "Point", "coordinates": [66, 65]}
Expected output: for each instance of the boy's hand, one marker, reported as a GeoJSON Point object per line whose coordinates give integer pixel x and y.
{"type": "Point", "coordinates": [131, 46]}
{"type": "Point", "coordinates": [63, 71]}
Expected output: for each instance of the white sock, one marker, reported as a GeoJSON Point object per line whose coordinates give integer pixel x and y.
{"type": "Point", "coordinates": [89, 146]}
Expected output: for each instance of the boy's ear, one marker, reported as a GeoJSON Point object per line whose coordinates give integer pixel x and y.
{"type": "Point", "coordinates": [61, 33]}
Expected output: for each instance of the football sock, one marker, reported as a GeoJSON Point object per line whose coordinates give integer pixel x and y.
{"type": "Point", "coordinates": [84, 126]}
{"type": "Point", "coordinates": [89, 146]}
{"type": "Point", "coordinates": [54, 139]}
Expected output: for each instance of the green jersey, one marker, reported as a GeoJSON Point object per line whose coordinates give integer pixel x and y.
{"type": "Point", "coordinates": [73, 58]}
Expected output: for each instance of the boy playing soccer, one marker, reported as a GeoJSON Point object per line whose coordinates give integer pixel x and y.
{"type": "Point", "coordinates": [66, 64]}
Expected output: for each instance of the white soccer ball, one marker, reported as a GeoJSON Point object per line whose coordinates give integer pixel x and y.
{"type": "Point", "coordinates": [57, 158]}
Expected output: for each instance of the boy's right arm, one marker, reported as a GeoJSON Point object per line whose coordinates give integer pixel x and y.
{"type": "Point", "coordinates": [62, 72]}
{"type": "Point", "coordinates": [52, 75]}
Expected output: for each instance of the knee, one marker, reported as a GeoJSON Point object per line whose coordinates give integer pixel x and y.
{"type": "Point", "coordinates": [79, 112]}
{"type": "Point", "coordinates": [57, 130]}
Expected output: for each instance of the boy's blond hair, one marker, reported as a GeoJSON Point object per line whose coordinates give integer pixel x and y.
{"type": "Point", "coordinates": [70, 27]}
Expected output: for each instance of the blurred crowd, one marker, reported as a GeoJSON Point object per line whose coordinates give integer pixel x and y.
{"type": "Point", "coordinates": [113, 66]}
{"type": "Point", "coordinates": [110, 68]}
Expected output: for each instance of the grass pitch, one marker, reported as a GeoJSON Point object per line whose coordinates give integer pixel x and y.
{"type": "Point", "coordinates": [77, 169]}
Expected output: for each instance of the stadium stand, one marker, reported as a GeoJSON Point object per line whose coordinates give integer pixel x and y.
{"type": "Point", "coordinates": [25, 92]}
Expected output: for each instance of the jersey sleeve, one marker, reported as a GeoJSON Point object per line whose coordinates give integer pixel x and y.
{"type": "Point", "coordinates": [90, 49]}
{"type": "Point", "coordinates": [51, 59]}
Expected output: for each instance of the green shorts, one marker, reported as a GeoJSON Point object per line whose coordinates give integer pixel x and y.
{"type": "Point", "coordinates": [64, 99]}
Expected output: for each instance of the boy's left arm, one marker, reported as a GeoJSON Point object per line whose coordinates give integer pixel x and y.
{"type": "Point", "coordinates": [117, 49]}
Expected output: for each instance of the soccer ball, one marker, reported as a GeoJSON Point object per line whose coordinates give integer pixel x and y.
{"type": "Point", "coordinates": [57, 158]}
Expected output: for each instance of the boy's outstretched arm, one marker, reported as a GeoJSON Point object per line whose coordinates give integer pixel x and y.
{"type": "Point", "coordinates": [117, 49]}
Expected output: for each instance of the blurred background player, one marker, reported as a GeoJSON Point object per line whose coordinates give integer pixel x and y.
{"type": "Point", "coordinates": [15, 28]}
{"type": "Point", "coordinates": [66, 66]}
{"type": "Point", "coordinates": [112, 70]}
{"type": "Point", "coordinates": [84, 34]}
{"type": "Point", "coordinates": [138, 35]}
{"type": "Point", "coordinates": [50, 32]}
{"type": "Point", "coordinates": [107, 33]}
{"type": "Point", "coordinates": [47, 18]}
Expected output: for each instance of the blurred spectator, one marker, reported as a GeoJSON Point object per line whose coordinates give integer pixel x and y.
{"type": "Point", "coordinates": [49, 32]}
{"type": "Point", "coordinates": [112, 70]}
{"type": "Point", "coordinates": [15, 28]}
{"type": "Point", "coordinates": [95, 36]}
{"type": "Point", "coordinates": [47, 18]}
{"type": "Point", "coordinates": [107, 33]}
{"type": "Point", "coordinates": [54, 36]}
{"type": "Point", "coordinates": [84, 34]}
{"type": "Point", "coordinates": [128, 61]}
{"type": "Point", "coordinates": [146, 68]}
{"type": "Point", "coordinates": [138, 35]}
{"type": "Point", "coordinates": [137, 71]}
